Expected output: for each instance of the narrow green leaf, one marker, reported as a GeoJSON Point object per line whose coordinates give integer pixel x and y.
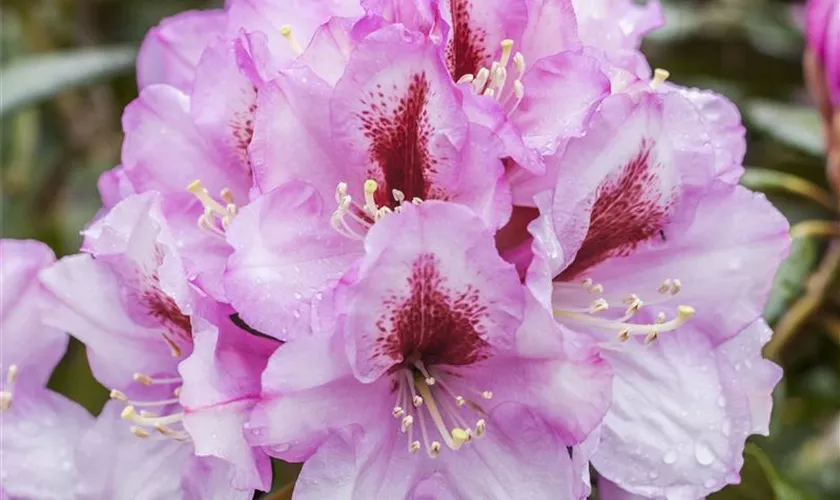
{"type": "Point", "coordinates": [796, 126]}
{"type": "Point", "coordinates": [33, 78]}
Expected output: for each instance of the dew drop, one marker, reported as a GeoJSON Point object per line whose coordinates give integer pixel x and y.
{"type": "Point", "coordinates": [721, 401]}
{"type": "Point", "coordinates": [653, 474]}
{"type": "Point", "coordinates": [703, 454]}
{"type": "Point", "coordinates": [670, 457]}
{"type": "Point", "coordinates": [298, 296]}
{"type": "Point", "coordinates": [710, 483]}
{"type": "Point", "coordinates": [726, 428]}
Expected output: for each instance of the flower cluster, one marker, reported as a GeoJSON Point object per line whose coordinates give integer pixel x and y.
{"type": "Point", "coordinates": [429, 248]}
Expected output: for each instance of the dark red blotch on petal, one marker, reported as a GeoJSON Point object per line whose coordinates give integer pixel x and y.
{"type": "Point", "coordinates": [629, 210]}
{"type": "Point", "coordinates": [467, 52]}
{"type": "Point", "coordinates": [399, 138]}
{"type": "Point", "coordinates": [166, 311]}
{"type": "Point", "coordinates": [435, 325]}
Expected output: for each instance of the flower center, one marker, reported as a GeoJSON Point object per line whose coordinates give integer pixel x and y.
{"type": "Point", "coordinates": [216, 217]}
{"type": "Point", "coordinates": [430, 398]}
{"type": "Point", "coordinates": [8, 389]}
{"type": "Point", "coordinates": [491, 81]}
{"type": "Point", "coordinates": [570, 303]}
{"type": "Point", "coordinates": [353, 220]}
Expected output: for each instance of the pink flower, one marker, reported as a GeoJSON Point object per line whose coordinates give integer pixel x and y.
{"type": "Point", "coordinates": [822, 31]}
{"type": "Point", "coordinates": [157, 342]}
{"type": "Point", "coordinates": [435, 376]}
{"type": "Point", "coordinates": [646, 240]}
{"type": "Point", "coordinates": [40, 429]}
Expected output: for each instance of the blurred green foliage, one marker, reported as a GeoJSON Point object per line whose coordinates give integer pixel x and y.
{"type": "Point", "coordinates": [58, 138]}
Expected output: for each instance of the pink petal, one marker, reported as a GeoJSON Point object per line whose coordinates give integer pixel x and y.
{"type": "Point", "coordinates": [285, 253]}
{"type": "Point", "coordinates": [300, 406]}
{"type": "Point", "coordinates": [680, 416]}
{"type": "Point", "coordinates": [171, 50]}
{"type": "Point", "coordinates": [221, 385]}
{"type": "Point", "coordinates": [477, 31]}
{"type": "Point", "coordinates": [398, 119]}
{"type": "Point", "coordinates": [724, 260]}
{"type": "Point", "coordinates": [291, 136]}
{"type": "Point", "coordinates": [436, 262]}
{"type": "Point", "coordinates": [163, 150]}
{"type": "Point", "coordinates": [32, 347]}
{"type": "Point", "coordinates": [40, 433]}
{"type": "Point", "coordinates": [552, 29]}
{"type": "Point", "coordinates": [222, 104]}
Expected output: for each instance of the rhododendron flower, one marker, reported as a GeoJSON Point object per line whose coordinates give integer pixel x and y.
{"type": "Point", "coordinates": [184, 371]}
{"type": "Point", "coordinates": [439, 373]}
{"type": "Point", "coordinates": [40, 429]}
{"type": "Point", "coordinates": [645, 242]}
{"type": "Point", "coordinates": [822, 30]}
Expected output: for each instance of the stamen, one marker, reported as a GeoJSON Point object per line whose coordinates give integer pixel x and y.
{"type": "Point", "coordinates": [414, 446]}
{"type": "Point", "coordinates": [7, 395]}
{"type": "Point", "coordinates": [434, 450]}
{"type": "Point", "coordinates": [684, 313]}
{"type": "Point", "coordinates": [213, 210]}
{"type": "Point", "coordinates": [659, 77]}
{"type": "Point", "coordinates": [429, 379]}
{"type": "Point", "coordinates": [174, 349]}
{"type": "Point", "coordinates": [5, 400]}
{"type": "Point", "coordinates": [507, 49]}
{"type": "Point", "coordinates": [147, 380]}
{"type": "Point", "coordinates": [459, 437]}
{"type": "Point", "coordinates": [468, 78]}
{"type": "Point", "coordinates": [407, 422]}
{"type": "Point", "coordinates": [129, 413]}
{"type": "Point", "coordinates": [120, 396]}
{"type": "Point", "coordinates": [286, 32]}
{"type": "Point", "coordinates": [480, 428]}
{"type": "Point", "coordinates": [11, 374]}
{"type": "Point", "coordinates": [519, 63]}
{"type": "Point", "coordinates": [140, 432]}
{"type": "Point", "coordinates": [481, 80]}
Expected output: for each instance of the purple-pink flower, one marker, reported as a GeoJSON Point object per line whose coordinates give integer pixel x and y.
{"type": "Point", "coordinates": [822, 31]}
{"type": "Point", "coordinates": [432, 249]}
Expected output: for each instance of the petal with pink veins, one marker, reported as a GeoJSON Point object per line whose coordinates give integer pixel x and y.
{"type": "Point", "coordinates": [221, 383]}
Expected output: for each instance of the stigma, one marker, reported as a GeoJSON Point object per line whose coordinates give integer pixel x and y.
{"type": "Point", "coordinates": [286, 32]}
{"type": "Point", "coordinates": [429, 400]}
{"type": "Point", "coordinates": [353, 220]}
{"type": "Point", "coordinates": [217, 216]}
{"type": "Point", "coordinates": [492, 81]}
{"type": "Point", "coordinates": [8, 389]}
{"type": "Point", "coordinates": [568, 297]}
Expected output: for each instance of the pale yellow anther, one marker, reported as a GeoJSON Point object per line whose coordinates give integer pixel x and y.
{"type": "Point", "coordinates": [665, 287]}
{"type": "Point", "coordinates": [676, 286]}
{"type": "Point", "coordinates": [286, 32]}
{"type": "Point", "coordinates": [143, 379]}
{"type": "Point", "coordinates": [414, 446]}
{"type": "Point", "coordinates": [417, 401]}
{"type": "Point", "coordinates": [653, 335]}
{"type": "Point", "coordinates": [468, 78]}
{"type": "Point", "coordinates": [398, 195]}
{"type": "Point", "coordinates": [459, 437]}
{"type": "Point", "coordinates": [624, 335]}
{"type": "Point", "coordinates": [11, 374]}
{"type": "Point", "coordinates": [487, 395]}
{"type": "Point", "coordinates": [660, 318]}
{"type": "Point", "coordinates": [507, 50]}
{"type": "Point", "coordinates": [519, 63]}
{"type": "Point", "coordinates": [659, 77]}
{"type": "Point", "coordinates": [430, 380]}
{"type": "Point", "coordinates": [177, 391]}
{"type": "Point", "coordinates": [166, 431]}
{"type": "Point", "coordinates": [489, 92]}
{"type": "Point", "coordinates": [596, 289]}
{"type": "Point", "coordinates": [434, 449]}
{"type": "Point", "coordinates": [599, 305]}
{"type": "Point", "coordinates": [148, 414]}
{"type": "Point", "coordinates": [480, 428]}
{"type": "Point", "coordinates": [519, 89]}
{"type": "Point", "coordinates": [140, 432]}
{"type": "Point", "coordinates": [460, 401]}
{"type": "Point", "coordinates": [118, 395]}
{"type": "Point", "coordinates": [128, 413]}
{"type": "Point", "coordinates": [227, 195]}
{"type": "Point", "coordinates": [685, 312]}
{"type": "Point", "coordinates": [481, 79]}
{"type": "Point", "coordinates": [5, 400]}
{"type": "Point", "coordinates": [407, 422]}
{"type": "Point", "coordinates": [195, 187]}
{"type": "Point", "coordinates": [398, 412]}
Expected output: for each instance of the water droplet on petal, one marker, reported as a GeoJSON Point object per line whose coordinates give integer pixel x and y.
{"type": "Point", "coordinates": [726, 428]}
{"type": "Point", "coordinates": [710, 483]}
{"type": "Point", "coordinates": [721, 401]}
{"type": "Point", "coordinates": [298, 296]}
{"type": "Point", "coordinates": [653, 474]}
{"type": "Point", "coordinates": [703, 454]}
{"type": "Point", "coordinates": [670, 457]}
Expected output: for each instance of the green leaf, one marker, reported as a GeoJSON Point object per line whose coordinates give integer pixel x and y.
{"type": "Point", "coordinates": [796, 126]}
{"type": "Point", "coordinates": [34, 78]}
{"type": "Point", "coordinates": [790, 278]}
